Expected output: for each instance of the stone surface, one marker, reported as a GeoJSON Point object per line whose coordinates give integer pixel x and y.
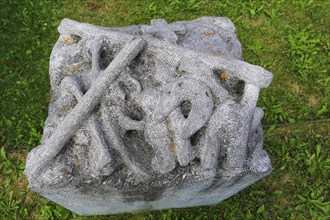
{"type": "Point", "coordinates": [149, 117]}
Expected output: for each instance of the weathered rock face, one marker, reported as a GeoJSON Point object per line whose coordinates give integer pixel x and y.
{"type": "Point", "coordinates": [149, 117]}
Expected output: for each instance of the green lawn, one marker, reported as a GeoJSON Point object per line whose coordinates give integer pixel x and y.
{"type": "Point", "coordinates": [288, 38]}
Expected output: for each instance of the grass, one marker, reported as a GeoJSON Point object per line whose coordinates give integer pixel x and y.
{"type": "Point", "coordinates": [289, 38]}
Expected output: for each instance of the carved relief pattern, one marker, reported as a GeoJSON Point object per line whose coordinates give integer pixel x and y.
{"type": "Point", "coordinates": [153, 117]}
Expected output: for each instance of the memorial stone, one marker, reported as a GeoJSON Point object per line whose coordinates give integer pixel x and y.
{"type": "Point", "coordinates": [149, 117]}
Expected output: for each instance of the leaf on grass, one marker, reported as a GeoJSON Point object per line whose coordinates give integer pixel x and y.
{"type": "Point", "coordinates": [260, 193]}
{"type": "Point", "coordinates": [325, 209]}
{"type": "Point", "coordinates": [3, 153]}
{"type": "Point", "coordinates": [318, 150]}
{"type": "Point", "coordinates": [322, 111]}
{"type": "Point", "coordinates": [301, 198]}
{"type": "Point", "coordinates": [278, 192]}
{"type": "Point", "coordinates": [283, 167]}
{"type": "Point", "coordinates": [291, 120]}
{"type": "Point", "coordinates": [261, 209]}
{"type": "Point", "coordinates": [8, 172]}
{"type": "Point", "coordinates": [7, 182]}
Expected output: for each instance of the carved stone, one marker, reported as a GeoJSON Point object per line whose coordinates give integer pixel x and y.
{"type": "Point", "coordinates": [149, 117]}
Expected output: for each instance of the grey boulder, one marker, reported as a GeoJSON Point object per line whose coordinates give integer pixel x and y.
{"type": "Point", "coordinates": [149, 117]}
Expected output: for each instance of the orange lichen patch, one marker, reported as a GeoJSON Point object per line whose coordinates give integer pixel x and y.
{"type": "Point", "coordinates": [66, 40]}
{"type": "Point", "coordinates": [208, 34]}
{"type": "Point", "coordinates": [216, 54]}
{"type": "Point", "coordinates": [74, 68]}
{"type": "Point", "coordinates": [217, 99]}
{"type": "Point", "coordinates": [68, 74]}
{"type": "Point", "coordinates": [75, 137]}
{"type": "Point", "coordinates": [224, 75]}
{"type": "Point", "coordinates": [173, 147]}
{"type": "Point", "coordinates": [171, 135]}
